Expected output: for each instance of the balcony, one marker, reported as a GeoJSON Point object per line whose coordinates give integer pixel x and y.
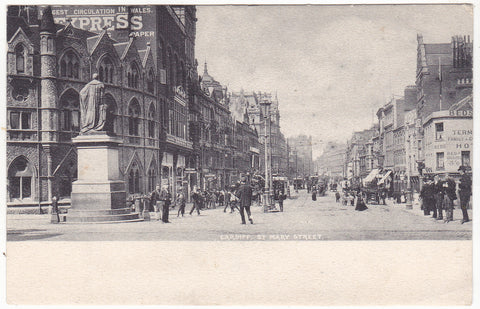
{"type": "Point", "coordinates": [172, 139]}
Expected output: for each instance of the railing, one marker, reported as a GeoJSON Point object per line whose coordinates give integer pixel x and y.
{"type": "Point", "coordinates": [22, 135]}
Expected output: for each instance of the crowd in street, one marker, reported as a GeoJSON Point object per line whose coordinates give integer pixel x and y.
{"type": "Point", "coordinates": [237, 197]}
{"type": "Point", "coordinates": [439, 193]}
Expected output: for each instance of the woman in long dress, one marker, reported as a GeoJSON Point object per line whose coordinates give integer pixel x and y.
{"type": "Point", "coordinates": [314, 194]}
{"type": "Point", "coordinates": [360, 203]}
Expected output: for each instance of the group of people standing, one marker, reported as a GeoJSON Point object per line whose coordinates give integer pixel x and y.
{"type": "Point", "coordinates": [439, 193]}
{"type": "Point", "coordinates": [349, 197]}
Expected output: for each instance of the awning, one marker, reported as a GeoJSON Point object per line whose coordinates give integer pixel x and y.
{"type": "Point", "coordinates": [384, 177]}
{"type": "Point", "coordinates": [371, 176]}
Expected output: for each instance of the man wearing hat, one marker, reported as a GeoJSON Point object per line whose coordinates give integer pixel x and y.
{"type": "Point", "coordinates": [439, 192]}
{"type": "Point", "coordinates": [450, 188]}
{"type": "Point", "coordinates": [166, 199]}
{"type": "Point", "coordinates": [245, 197]}
{"type": "Point", "coordinates": [465, 191]}
{"type": "Point", "coordinates": [428, 199]}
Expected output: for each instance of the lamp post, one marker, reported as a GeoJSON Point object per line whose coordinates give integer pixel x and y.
{"type": "Point", "coordinates": [409, 196]}
{"type": "Point", "coordinates": [266, 119]}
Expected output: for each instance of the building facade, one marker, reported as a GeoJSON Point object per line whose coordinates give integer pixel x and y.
{"type": "Point", "coordinates": [146, 93]}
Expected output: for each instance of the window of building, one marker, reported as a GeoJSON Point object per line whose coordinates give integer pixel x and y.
{"type": "Point", "coordinates": [466, 158]}
{"type": "Point", "coordinates": [69, 65]}
{"type": "Point", "coordinates": [69, 113]}
{"type": "Point", "coordinates": [151, 121]}
{"type": "Point", "coordinates": [20, 177]}
{"type": "Point", "coordinates": [20, 58]}
{"type": "Point", "coordinates": [133, 76]}
{"type": "Point", "coordinates": [134, 180]}
{"type": "Point", "coordinates": [150, 81]}
{"type": "Point", "coordinates": [440, 161]}
{"type": "Point", "coordinates": [106, 70]}
{"type": "Point", "coordinates": [439, 130]}
{"type": "Point", "coordinates": [134, 118]}
{"type": "Point", "coordinates": [20, 120]}
{"type": "Point", "coordinates": [113, 123]}
{"type": "Point", "coordinates": [152, 177]}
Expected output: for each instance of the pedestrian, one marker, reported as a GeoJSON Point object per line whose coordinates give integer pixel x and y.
{"type": "Point", "coordinates": [281, 197]}
{"type": "Point", "coordinates": [450, 195]}
{"type": "Point", "coordinates": [438, 185]}
{"type": "Point", "coordinates": [233, 202]}
{"type": "Point", "coordinates": [181, 203]}
{"type": "Point", "coordinates": [245, 200]}
{"type": "Point", "coordinates": [155, 202]}
{"type": "Point", "coordinates": [427, 194]}
{"type": "Point", "coordinates": [361, 206]}
{"type": "Point", "coordinates": [465, 191]}
{"type": "Point", "coordinates": [166, 199]}
{"type": "Point", "coordinates": [227, 201]}
{"type": "Point", "coordinates": [337, 197]}
{"type": "Point", "coordinates": [314, 194]}
{"type": "Point", "coordinates": [352, 198]}
{"type": "Point", "coordinates": [196, 200]}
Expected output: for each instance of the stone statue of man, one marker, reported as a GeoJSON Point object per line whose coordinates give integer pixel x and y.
{"type": "Point", "coordinates": [93, 110]}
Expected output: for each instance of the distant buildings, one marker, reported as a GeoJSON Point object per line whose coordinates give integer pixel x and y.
{"type": "Point", "coordinates": [300, 156]}
{"type": "Point", "coordinates": [428, 130]}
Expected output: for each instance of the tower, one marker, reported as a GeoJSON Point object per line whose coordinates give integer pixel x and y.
{"type": "Point", "coordinates": [49, 116]}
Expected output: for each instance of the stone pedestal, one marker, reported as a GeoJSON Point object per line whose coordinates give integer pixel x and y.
{"type": "Point", "coordinates": [99, 194]}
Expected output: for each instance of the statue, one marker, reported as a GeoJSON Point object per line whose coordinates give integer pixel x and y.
{"type": "Point", "coordinates": [93, 110]}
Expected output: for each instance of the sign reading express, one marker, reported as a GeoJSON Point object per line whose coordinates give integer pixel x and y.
{"type": "Point", "coordinates": [139, 20]}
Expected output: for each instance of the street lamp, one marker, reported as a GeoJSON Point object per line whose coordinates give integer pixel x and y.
{"type": "Point", "coordinates": [266, 118]}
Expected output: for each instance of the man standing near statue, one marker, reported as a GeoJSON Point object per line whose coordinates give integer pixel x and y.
{"type": "Point", "coordinates": [93, 109]}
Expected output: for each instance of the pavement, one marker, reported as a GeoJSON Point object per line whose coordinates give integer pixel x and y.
{"type": "Point", "coordinates": [302, 219]}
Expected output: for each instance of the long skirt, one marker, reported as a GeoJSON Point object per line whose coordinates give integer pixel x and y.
{"type": "Point", "coordinates": [361, 205]}
{"type": "Point", "coordinates": [314, 196]}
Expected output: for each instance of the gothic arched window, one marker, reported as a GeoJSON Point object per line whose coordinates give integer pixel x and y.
{"type": "Point", "coordinates": [133, 76]}
{"type": "Point", "coordinates": [106, 70]}
{"type": "Point", "coordinates": [20, 178]}
{"type": "Point", "coordinates": [69, 65]}
{"type": "Point", "coordinates": [152, 177]}
{"type": "Point", "coordinates": [134, 179]}
{"type": "Point", "coordinates": [20, 58]}
{"type": "Point", "coordinates": [150, 81]}
{"type": "Point", "coordinates": [69, 114]}
{"type": "Point", "coordinates": [113, 115]}
{"type": "Point", "coordinates": [134, 118]}
{"type": "Point", "coordinates": [151, 121]}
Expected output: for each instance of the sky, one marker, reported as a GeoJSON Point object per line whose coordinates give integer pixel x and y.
{"type": "Point", "coordinates": [331, 66]}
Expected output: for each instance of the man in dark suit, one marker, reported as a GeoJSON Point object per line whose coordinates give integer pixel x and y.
{"type": "Point", "coordinates": [450, 195]}
{"type": "Point", "coordinates": [465, 192]}
{"type": "Point", "coordinates": [245, 200]}
{"type": "Point", "coordinates": [439, 192]}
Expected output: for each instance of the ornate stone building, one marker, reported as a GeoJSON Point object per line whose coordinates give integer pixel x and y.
{"type": "Point", "coordinates": [147, 89]}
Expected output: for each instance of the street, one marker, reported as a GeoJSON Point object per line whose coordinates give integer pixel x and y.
{"type": "Point", "coordinates": [302, 219]}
